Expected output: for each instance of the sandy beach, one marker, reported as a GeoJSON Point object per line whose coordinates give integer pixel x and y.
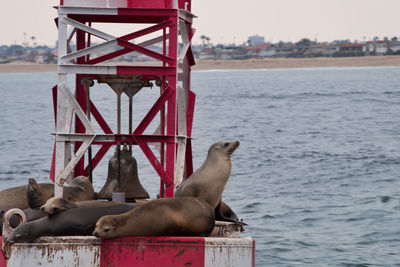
{"type": "Point", "coordinates": [265, 63]}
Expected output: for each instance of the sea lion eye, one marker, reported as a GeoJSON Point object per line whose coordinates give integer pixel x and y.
{"type": "Point", "coordinates": [226, 144]}
{"type": "Point", "coordinates": [106, 229]}
{"type": "Point", "coordinates": [18, 236]}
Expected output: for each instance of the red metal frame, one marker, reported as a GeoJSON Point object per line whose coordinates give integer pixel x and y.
{"type": "Point", "coordinates": [161, 13]}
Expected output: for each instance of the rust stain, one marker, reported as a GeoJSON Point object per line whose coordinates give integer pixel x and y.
{"type": "Point", "coordinates": [180, 253]}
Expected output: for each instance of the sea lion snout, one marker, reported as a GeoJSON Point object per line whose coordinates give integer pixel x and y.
{"type": "Point", "coordinates": [235, 144]}
{"type": "Point", "coordinates": [228, 146]}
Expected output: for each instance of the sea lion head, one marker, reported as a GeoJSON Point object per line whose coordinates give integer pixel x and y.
{"type": "Point", "coordinates": [85, 185]}
{"type": "Point", "coordinates": [224, 147]}
{"type": "Point", "coordinates": [35, 195]}
{"type": "Point", "coordinates": [56, 205]}
{"type": "Point", "coordinates": [105, 227]}
{"type": "Point", "coordinates": [22, 233]}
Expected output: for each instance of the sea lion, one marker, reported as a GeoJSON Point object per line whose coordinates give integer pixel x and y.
{"type": "Point", "coordinates": [224, 213]}
{"type": "Point", "coordinates": [58, 204]}
{"type": "Point", "coordinates": [30, 214]}
{"type": "Point", "coordinates": [78, 221]}
{"type": "Point", "coordinates": [208, 182]}
{"type": "Point", "coordinates": [160, 217]}
{"type": "Point", "coordinates": [16, 197]}
{"type": "Point", "coordinates": [80, 189]}
{"type": "Point", "coordinates": [35, 195]}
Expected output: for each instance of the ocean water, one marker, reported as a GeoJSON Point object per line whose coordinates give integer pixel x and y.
{"type": "Point", "coordinates": [316, 176]}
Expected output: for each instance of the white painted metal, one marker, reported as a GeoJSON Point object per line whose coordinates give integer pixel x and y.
{"type": "Point", "coordinates": [228, 252]}
{"type": "Point", "coordinates": [96, 3]}
{"type": "Point", "coordinates": [88, 29]}
{"type": "Point", "coordinates": [180, 161]}
{"type": "Point", "coordinates": [64, 123]}
{"type": "Point", "coordinates": [185, 39]}
{"type": "Point", "coordinates": [70, 103]}
{"type": "Point", "coordinates": [73, 69]}
{"type": "Point", "coordinates": [77, 251]}
{"type": "Point", "coordinates": [62, 37]}
{"type": "Point", "coordinates": [77, 108]}
{"type": "Point", "coordinates": [64, 10]}
{"type": "Point", "coordinates": [186, 15]}
{"type": "Point", "coordinates": [91, 50]}
{"type": "Point", "coordinates": [54, 251]}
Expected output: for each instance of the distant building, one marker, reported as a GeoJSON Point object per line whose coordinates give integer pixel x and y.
{"type": "Point", "coordinates": [317, 50]}
{"type": "Point", "coordinates": [257, 51]}
{"type": "Point", "coordinates": [256, 40]}
{"type": "Point", "coordinates": [331, 49]}
{"type": "Point", "coordinates": [394, 47]}
{"type": "Point", "coordinates": [351, 50]}
{"type": "Point", "coordinates": [377, 47]}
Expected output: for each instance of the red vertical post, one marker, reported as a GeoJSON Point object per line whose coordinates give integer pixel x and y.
{"type": "Point", "coordinates": [80, 95]}
{"type": "Point", "coordinates": [171, 113]}
{"type": "Point", "coordinates": [162, 114]}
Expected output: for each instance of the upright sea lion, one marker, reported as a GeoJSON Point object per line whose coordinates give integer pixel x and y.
{"type": "Point", "coordinates": [78, 221]}
{"type": "Point", "coordinates": [35, 195]}
{"type": "Point", "coordinates": [160, 217]}
{"type": "Point", "coordinates": [208, 182]}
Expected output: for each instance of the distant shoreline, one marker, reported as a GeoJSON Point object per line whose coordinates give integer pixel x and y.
{"type": "Point", "coordinates": [264, 63]}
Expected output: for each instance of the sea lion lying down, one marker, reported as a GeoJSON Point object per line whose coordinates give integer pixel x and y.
{"type": "Point", "coordinates": [160, 217]}
{"type": "Point", "coordinates": [77, 221]}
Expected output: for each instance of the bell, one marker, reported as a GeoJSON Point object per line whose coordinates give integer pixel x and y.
{"type": "Point", "coordinates": [125, 174]}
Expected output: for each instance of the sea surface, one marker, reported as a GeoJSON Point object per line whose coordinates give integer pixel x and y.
{"type": "Point", "coordinates": [317, 174]}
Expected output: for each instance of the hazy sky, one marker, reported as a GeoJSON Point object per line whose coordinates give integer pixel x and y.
{"type": "Point", "coordinates": [227, 21]}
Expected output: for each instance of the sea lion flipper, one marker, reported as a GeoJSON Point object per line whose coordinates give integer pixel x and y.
{"type": "Point", "coordinates": [224, 213]}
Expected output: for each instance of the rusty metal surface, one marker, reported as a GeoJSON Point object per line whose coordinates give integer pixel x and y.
{"type": "Point", "coordinates": [71, 251]}
{"type": "Point", "coordinates": [57, 251]}
{"type": "Point", "coordinates": [232, 252]}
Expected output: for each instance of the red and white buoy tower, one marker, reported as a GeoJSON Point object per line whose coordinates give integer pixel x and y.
{"type": "Point", "coordinates": [76, 134]}
{"type": "Point", "coordinates": [175, 105]}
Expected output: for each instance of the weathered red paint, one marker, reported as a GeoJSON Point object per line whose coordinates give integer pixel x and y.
{"type": "Point", "coordinates": [254, 253]}
{"type": "Point", "coordinates": [147, 3]}
{"type": "Point", "coordinates": [153, 251]}
{"type": "Point", "coordinates": [3, 261]}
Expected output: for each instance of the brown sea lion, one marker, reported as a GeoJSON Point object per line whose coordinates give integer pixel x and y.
{"type": "Point", "coordinates": [208, 182]}
{"type": "Point", "coordinates": [35, 195]}
{"type": "Point", "coordinates": [78, 221]}
{"type": "Point", "coordinates": [80, 189]}
{"type": "Point", "coordinates": [16, 197]}
{"type": "Point", "coordinates": [224, 213]}
{"type": "Point", "coordinates": [160, 217]}
{"type": "Point", "coordinates": [58, 204]}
